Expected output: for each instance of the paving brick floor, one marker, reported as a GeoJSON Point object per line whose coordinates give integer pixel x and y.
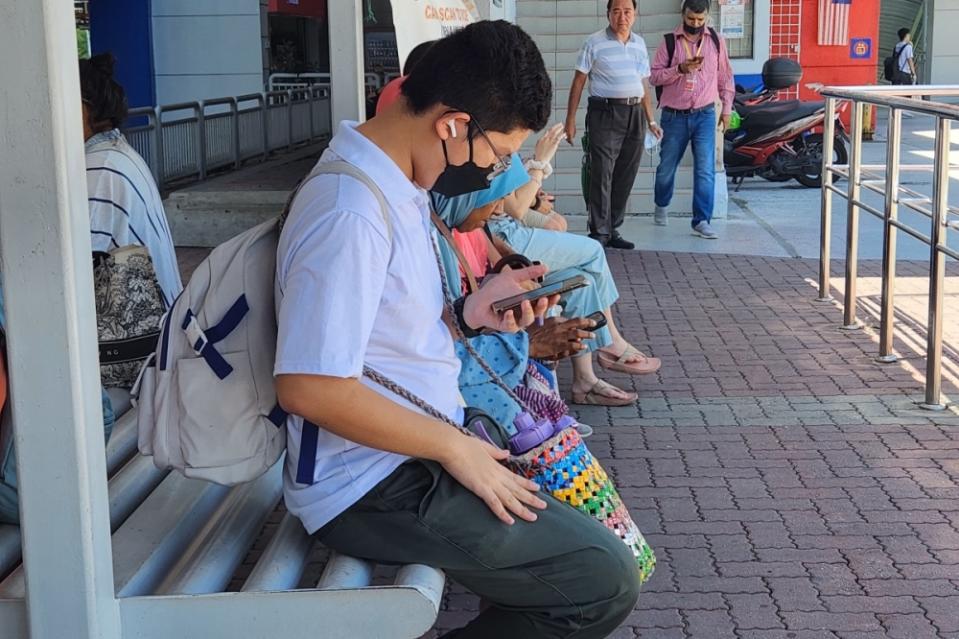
{"type": "Point", "coordinates": [789, 483]}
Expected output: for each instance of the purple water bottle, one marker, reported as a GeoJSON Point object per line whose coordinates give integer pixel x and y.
{"type": "Point", "coordinates": [529, 433]}
{"type": "Point", "coordinates": [563, 423]}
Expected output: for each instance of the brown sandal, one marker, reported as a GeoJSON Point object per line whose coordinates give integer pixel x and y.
{"type": "Point", "coordinates": [595, 397]}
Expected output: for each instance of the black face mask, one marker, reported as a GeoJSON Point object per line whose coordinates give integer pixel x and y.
{"type": "Point", "coordinates": [692, 30]}
{"type": "Point", "coordinates": [462, 179]}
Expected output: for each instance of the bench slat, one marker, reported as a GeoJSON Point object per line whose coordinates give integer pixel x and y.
{"type": "Point", "coordinates": [130, 486]}
{"type": "Point", "coordinates": [123, 441]}
{"type": "Point", "coordinates": [428, 580]}
{"type": "Point", "coordinates": [155, 535]}
{"type": "Point", "coordinates": [391, 611]}
{"type": "Point", "coordinates": [211, 559]}
{"type": "Point", "coordinates": [343, 571]}
{"type": "Point", "coordinates": [13, 619]}
{"type": "Point", "coordinates": [282, 563]}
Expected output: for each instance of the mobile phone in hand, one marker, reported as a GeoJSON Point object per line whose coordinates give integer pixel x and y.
{"type": "Point", "coordinates": [556, 288]}
{"type": "Point", "coordinates": [599, 318]}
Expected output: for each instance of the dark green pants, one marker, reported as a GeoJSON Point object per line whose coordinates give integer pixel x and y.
{"type": "Point", "coordinates": [563, 576]}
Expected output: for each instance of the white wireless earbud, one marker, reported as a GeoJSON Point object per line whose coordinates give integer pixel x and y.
{"type": "Point", "coordinates": [452, 125]}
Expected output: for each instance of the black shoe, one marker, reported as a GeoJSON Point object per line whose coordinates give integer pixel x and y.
{"type": "Point", "coordinates": [618, 242]}
{"type": "Point", "coordinates": [599, 238]}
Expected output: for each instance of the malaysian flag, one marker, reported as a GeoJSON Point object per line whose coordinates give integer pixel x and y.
{"type": "Point", "coordinates": [834, 22]}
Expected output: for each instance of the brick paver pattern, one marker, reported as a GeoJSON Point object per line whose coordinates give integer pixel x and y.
{"type": "Point", "coordinates": [789, 483]}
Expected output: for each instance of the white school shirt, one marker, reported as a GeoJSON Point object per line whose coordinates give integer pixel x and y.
{"type": "Point", "coordinates": [126, 208]}
{"type": "Point", "coordinates": [345, 298]}
{"type": "Point", "coordinates": [905, 55]}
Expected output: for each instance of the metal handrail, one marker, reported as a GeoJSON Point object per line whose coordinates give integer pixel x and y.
{"type": "Point", "coordinates": [177, 147]}
{"type": "Point", "coordinates": [898, 99]}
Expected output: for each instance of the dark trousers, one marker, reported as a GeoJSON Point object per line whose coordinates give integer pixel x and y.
{"type": "Point", "coordinates": [617, 133]}
{"type": "Point", "coordinates": [903, 78]}
{"type": "Point", "coordinates": [563, 576]}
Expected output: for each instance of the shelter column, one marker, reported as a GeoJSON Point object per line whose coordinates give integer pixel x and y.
{"type": "Point", "coordinates": [347, 71]}
{"type": "Point", "coordinates": [52, 341]}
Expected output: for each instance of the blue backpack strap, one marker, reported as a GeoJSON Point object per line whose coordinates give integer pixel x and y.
{"type": "Point", "coordinates": [203, 342]}
{"type": "Point", "coordinates": [306, 464]}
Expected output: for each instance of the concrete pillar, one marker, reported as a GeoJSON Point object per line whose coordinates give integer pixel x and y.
{"type": "Point", "coordinates": [942, 47]}
{"type": "Point", "coordinates": [347, 85]}
{"type": "Point", "coordinates": [52, 340]}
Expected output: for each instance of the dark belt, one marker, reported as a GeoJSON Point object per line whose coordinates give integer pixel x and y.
{"type": "Point", "coordinates": [622, 101]}
{"type": "Point", "coordinates": [688, 111]}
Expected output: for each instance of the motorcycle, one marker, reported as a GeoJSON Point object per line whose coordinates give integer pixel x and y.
{"type": "Point", "coordinates": [780, 140]}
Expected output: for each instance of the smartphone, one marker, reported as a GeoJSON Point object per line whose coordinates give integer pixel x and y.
{"type": "Point", "coordinates": [556, 288]}
{"type": "Point", "coordinates": [599, 318]}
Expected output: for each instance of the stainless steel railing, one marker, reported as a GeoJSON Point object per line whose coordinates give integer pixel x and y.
{"type": "Point", "coordinates": [191, 139]}
{"type": "Point", "coordinates": [884, 179]}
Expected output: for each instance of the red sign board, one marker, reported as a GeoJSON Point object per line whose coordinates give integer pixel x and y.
{"type": "Point", "coordinates": [307, 8]}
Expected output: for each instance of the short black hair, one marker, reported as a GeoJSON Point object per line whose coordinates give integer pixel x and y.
{"type": "Point", "coordinates": [609, 5]}
{"type": "Point", "coordinates": [903, 33]}
{"type": "Point", "coordinates": [696, 6]}
{"type": "Point", "coordinates": [489, 69]}
{"type": "Point", "coordinates": [105, 98]}
{"type": "Point", "coordinates": [416, 55]}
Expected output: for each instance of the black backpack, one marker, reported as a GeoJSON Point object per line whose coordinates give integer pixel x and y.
{"type": "Point", "coordinates": [670, 39]}
{"type": "Point", "coordinates": [890, 66]}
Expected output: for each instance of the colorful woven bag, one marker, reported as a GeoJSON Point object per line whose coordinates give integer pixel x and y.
{"type": "Point", "coordinates": [565, 468]}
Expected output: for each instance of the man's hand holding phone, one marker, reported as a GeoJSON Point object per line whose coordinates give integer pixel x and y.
{"type": "Point", "coordinates": [478, 308]}
{"type": "Point", "coordinates": [691, 65]}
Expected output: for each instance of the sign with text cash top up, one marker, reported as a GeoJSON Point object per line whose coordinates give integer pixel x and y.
{"type": "Point", "coordinates": [419, 21]}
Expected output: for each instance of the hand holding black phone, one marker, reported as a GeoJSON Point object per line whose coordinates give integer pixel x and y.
{"type": "Point", "coordinates": [599, 318]}
{"type": "Point", "coordinates": [556, 288]}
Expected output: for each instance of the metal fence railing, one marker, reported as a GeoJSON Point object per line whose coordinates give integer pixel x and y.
{"type": "Point", "coordinates": [884, 179]}
{"type": "Point", "coordinates": [191, 139]}
{"type": "Point", "coordinates": [286, 81]}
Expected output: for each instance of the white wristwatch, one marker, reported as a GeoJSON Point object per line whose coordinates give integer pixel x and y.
{"type": "Point", "coordinates": [536, 165]}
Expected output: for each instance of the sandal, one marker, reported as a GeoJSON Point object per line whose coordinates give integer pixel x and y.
{"type": "Point", "coordinates": [644, 366]}
{"type": "Point", "coordinates": [595, 397]}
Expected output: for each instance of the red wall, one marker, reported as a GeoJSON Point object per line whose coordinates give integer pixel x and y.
{"type": "Point", "coordinates": [833, 65]}
{"type": "Point", "coordinates": [784, 35]}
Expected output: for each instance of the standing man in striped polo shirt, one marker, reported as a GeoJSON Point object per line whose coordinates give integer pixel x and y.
{"type": "Point", "coordinates": [617, 64]}
{"type": "Point", "coordinates": [693, 69]}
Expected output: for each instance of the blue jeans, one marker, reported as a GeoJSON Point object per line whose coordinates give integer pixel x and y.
{"type": "Point", "coordinates": [678, 132]}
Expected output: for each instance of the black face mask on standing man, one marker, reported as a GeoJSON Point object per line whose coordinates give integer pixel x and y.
{"type": "Point", "coordinates": [692, 30]}
{"type": "Point", "coordinates": [462, 179]}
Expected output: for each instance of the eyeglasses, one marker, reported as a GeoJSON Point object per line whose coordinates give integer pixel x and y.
{"type": "Point", "coordinates": [503, 162]}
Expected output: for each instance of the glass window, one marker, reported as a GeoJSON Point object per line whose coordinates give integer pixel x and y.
{"type": "Point", "coordinates": [734, 20]}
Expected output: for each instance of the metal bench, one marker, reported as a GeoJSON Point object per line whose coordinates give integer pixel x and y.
{"type": "Point", "coordinates": [178, 542]}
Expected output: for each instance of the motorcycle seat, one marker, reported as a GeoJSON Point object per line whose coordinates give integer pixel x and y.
{"type": "Point", "coordinates": [772, 115]}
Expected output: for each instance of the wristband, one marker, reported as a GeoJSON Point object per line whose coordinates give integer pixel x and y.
{"type": "Point", "coordinates": [458, 308]}
{"type": "Point", "coordinates": [536, 165]}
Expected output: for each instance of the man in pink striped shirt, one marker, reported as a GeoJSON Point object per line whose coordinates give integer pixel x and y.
{"type": "Point", "coordinates": [692, 72]}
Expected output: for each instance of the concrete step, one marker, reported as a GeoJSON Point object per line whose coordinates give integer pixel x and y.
{"type": "Point", "coordinates": [570, 179]}
{"type": "Point", "coordinates": [210, 218]}
{"type": "Point", "coordinates": [640, 203]}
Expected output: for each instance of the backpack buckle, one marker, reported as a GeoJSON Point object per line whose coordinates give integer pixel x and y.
{"type": "Point", "coordinates": [197, 338]}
